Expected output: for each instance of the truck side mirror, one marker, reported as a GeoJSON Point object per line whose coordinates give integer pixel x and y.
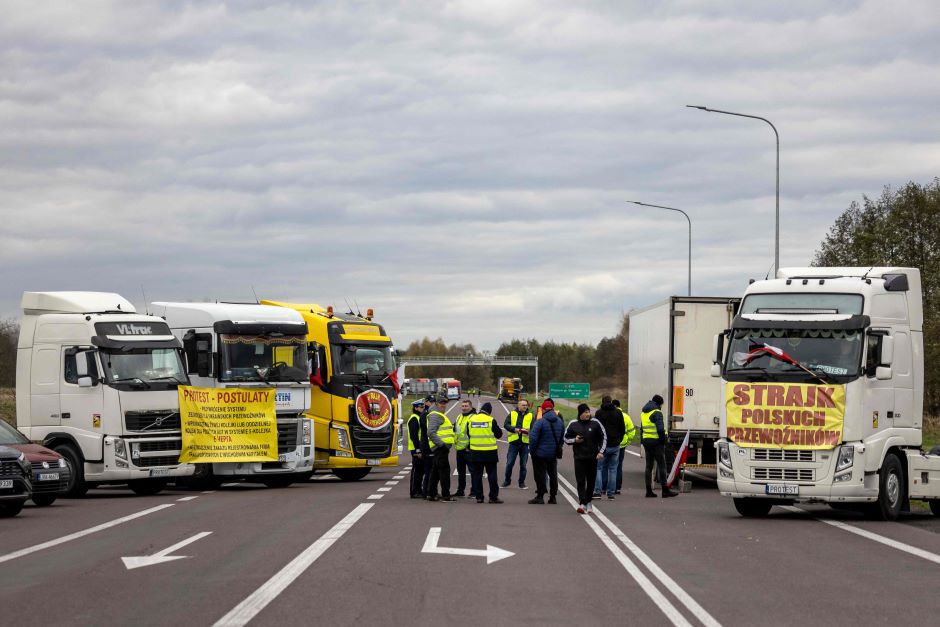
{"type": "Point", "coordinates": [887, 351]}
{"type": "Point", "coordinates": [883, 373]}
{"type": "Point", "coordinates": [718, 348]}
{"type": "Point", "coordinates": [198, 349]}
{"type": "Point", "coordinates": [85, 382]}
{"type": "Point", "coordinates": [203, 357]}
{"type": "Point", "coordinates": [716, 370]}
{"type": "Point", "coordinates": [81, 367]}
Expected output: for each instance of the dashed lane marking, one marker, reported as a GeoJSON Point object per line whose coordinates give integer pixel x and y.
{"type": "Point", "coordinates": [375, 497]}
{"type": "Point", "coordinates": [83, 533]}
{"type": "Point", "coordinates": [245, 611]}
{"type": "Point", "coordinates": [391, 483]}
{"type": "Point", "coordinates": [186, 498]}
{"type": "Point", "coordinates": [383, 489]}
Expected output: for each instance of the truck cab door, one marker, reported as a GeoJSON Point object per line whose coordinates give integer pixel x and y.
{"type": "Point", "coordinates": [80, 390]}
{"type": "Point", "coordinates": [44, 387]}
{"type": "Point", "coordinates": [878, 403]}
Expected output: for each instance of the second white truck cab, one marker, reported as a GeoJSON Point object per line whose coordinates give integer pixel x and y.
{"type": "Point", "coordinates": [97, 383]}
{"type": "Point", "coordinates": [824, 384]}
{"type": "Point", "coordinates": [234, 345]}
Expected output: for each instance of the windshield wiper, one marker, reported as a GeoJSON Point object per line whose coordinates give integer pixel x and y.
{"type": "Point", "coordinates": [169, 377]}
{"type": "Point", "coordinates": [134, 379]}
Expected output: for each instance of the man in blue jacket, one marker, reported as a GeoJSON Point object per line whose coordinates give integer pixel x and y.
{"type": "Point", "coordinates": [546, 436]}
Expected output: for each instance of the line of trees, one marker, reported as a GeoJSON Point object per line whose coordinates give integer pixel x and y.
{"type": "Point", "coordinates": [899, 228]}
{"type": "Point", "coordinates": [9, 332]}
{"type": "Point", "coordinates": [603, 365]}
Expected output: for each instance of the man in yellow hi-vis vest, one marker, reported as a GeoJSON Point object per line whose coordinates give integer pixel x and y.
{"type": "Point", "coordinates": [653, 429]}
{"type": "Point", "coordinates": [483, 454]}
{"type": "Point", "coordinates": [629, 434]}
{"type": "Point", "coordinates": [414, 447]}
{"type": "Point", "coordinates": [518, 423]}
{"type": "Point", "coordinates": [442, 437]}
{"type": "Point", "coordinates": [462, 444]}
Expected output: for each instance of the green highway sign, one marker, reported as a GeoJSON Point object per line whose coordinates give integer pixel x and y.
{"type": "Point", "coordinates": [569, 390]}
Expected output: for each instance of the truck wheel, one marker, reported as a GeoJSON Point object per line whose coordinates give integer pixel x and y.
{"type": "Point", "coordinates": [351, 474]}
{"type": "Point", "coordinates": [77, 486]}
{"type": "Point", "coordinates": [43, 500]}
{"type": "Point", "coordinates": [279, 481]}
{"type": "Point", "coordinates": [890, 490]}
{"type": "Point", "coordinates": [203, 478]}
{"type": "Point", "coordinates": [146, 487]}
{"type": "Point", "coordinates": [753, 508]}
{"type": "Point", "coordinates": [9, 510]}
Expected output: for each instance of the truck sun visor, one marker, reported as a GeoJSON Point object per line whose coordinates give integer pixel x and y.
{"type": "Point", "coordinates": [855, 323]}
{"type": "Point", "coordinates": [229, 327]}
{"type": "Point", "coordinates": [123, 343]}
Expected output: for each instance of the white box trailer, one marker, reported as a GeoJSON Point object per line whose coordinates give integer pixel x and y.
{"type": "Point", "coordinates": [671, 354]}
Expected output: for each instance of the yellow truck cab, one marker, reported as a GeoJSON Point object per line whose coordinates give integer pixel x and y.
{"type": "Point", "coordinates": [353, 401]}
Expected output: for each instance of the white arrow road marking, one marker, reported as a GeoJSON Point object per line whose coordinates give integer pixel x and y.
{"type": "Point", "coordinates": [457, 475]}
{"type": "Point", "coordinates": [162, 556]}
{"type": "Point", "coordinates": [491, 553]}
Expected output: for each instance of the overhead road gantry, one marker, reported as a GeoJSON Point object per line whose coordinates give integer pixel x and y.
{"type": "Point", "coordinates": [475, 360]}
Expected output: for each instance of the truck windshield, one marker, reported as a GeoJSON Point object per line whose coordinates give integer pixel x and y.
{"type": "Point", "coordinates": [143, 368]}
{"type": "Point", "coordinates": [355, 359]}
{"type": "Point", "coordinates": [264, 358]}
{"type": "Point", "coordinates": [9, 435]}
{"type": "Point", "coordinates": [832, 353]}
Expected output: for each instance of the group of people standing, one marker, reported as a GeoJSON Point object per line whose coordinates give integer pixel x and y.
{"type": "Point", "coordinates": [598, 445]}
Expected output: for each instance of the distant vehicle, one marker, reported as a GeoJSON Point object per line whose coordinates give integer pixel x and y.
{"type": "Point", "coordinates": [423, 386]}
{"type": "Point", "coordinates": [50, 472]}
{"type": "Point", "coordinates": [15, 486]}
{"type": "Point", "coordinates": [453, 389]}
{"type": "Point", "coordinates": [510, 389]}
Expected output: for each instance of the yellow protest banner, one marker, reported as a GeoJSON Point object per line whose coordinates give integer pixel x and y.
{"type": "Point", "coordinates": [228, 425]}
{"type": "Point", "coordinates": [785, 415]}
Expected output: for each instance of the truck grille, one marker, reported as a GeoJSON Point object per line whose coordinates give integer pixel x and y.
{"type": "Point", "coordinates": [159, 445]}
{"type": "Point", "coordinates": [153, 420]}
{"type": "Point", "coordinates": [783, 474]}
{"type": "Point", "coordinates": [172, 447]}
{"type": "Point", "coordinates": [163, 460]}
{"type": "Point", "coordinates": [286, 437]}
{"type": "Point", "coordinates": [374, 444]}
{"type": "Point", "coordinates": [780, 455]}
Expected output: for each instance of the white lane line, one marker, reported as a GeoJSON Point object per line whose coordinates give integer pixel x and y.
{"type": "Point", "coordinates": [208, 492]}
{"type": "Point", "coordinates": [399, 477]}
{"type": "Point", "coordinates": [186, 498]}
{"type": "Point", "coordinates": [647, 586]}
{"type": "Point", "coordinates": [375, 497]}
{"type": "Point", "coordinates": [894, 544]}
{"type": "Point", "coordinates": [245, 611]}
{"type": "Point", "coordinates": [391, 483]}
{"type": "Point", "coordinates": [632, 452]}
{"type": "Point", "coordinates": [383, 490]}
{"type": "Point", "coordinates": [81, 534]}
{"type": "Point", "coordinates": [230, 485]}
{"type": "Point", "coordinates": [505, 409]}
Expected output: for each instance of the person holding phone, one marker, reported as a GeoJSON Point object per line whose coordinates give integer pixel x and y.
{"type": "Point", "coordinates": [587, 439]}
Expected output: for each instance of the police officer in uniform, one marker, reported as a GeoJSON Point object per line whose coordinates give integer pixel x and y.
{"type": "Point", "coordinates": [483, 432]}
{"type": "Point", "coordinates": [425, 444]}
{"type": "Point", "coordinates": [441, 437]}
{"type": "Point", "coordinates": [653, 431]}
{"type": "Point", "coordinates": [518, 423]}
{"type": "Point", "coordinates": [414, 447]}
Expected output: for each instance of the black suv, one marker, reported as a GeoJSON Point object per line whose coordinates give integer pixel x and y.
{"type": "Point", "coordinates": [15, 484]}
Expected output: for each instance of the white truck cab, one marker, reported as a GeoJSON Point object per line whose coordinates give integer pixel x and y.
{"type": "Point", "coordinates": [239, 345]}
{"type": "Point", "coordinates": [823, 378]}
{"type": "Point", "coordinates": [96, 382]}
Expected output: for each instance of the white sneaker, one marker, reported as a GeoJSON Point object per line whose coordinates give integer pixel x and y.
{"type": "Point", "coordinates": [589, 508]}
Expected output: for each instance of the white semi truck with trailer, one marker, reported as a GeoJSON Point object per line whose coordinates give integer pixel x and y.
{"type": "Point", "coordinates": [823, 375]}
{"type": "Point", "coordinates": [238, 345]}
{"type": "Point", "coordinates": [97, 383]}
{"type": "Point", "coordinates": [671, 353]}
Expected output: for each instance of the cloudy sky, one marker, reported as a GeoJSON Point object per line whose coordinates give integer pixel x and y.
{"type": "Point", "coordinates": [460, 166]}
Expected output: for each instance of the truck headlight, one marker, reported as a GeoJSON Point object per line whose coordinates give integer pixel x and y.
{"type": "Point", "coordinates": [342, 437]}
{"type": "Point", "coordinates": [307, 432]}
{"type": "Point", "coordinates": [846, 457]}
{"type": "Point", "coordinates": [724, 454]}
{"type": "Point", "coordinates": [120, 448]}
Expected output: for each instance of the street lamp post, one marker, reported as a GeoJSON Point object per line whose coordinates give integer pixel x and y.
{"type": "Point", "coordinates": [644, 204]}
{"type": "Point", "coordinates": [777, 136]}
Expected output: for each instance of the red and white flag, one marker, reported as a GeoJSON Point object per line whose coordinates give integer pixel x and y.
{"type": "Point", "coordinates": [742, 359]}
{"type": "Point", "coordinates": [681, 456]}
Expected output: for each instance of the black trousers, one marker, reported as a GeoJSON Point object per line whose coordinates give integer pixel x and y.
{"type": "Point", "coordinates": [462, 472]}
{"type": "Point", "coordinates": [655, 453]}
{"type": "Point", "coordinates": [476, 479]}
{"type": "Point", "coordinates": [440, 472]}
{"type": "Point", "coordinates": [428, 458]}
{"type": "Point", "coordinates": [546, 476]}
{"type": "Point", "coordinates": [585, 474]}
{"type": "Point", "coordinates": [417, 474]}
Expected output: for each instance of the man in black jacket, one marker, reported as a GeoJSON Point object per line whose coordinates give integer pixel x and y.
{"type": "Point", "coordinates": [588, 440]}
{"type": "Point", "coordinates": [609, 416]}
{"type": "Point", "coordinates": [654, 445]}
{"type": "Point", "coordinates": [483, 454]}
{"type": "Point", "coordinates": [415, 448]}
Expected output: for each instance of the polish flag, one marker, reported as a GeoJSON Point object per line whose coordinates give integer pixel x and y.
{"type": "Point", "coordinates": [680, 460]}
{"type": "Point", "coordinates": [742, 359]}
{"type": "Point", "coordinates": [395, 379]}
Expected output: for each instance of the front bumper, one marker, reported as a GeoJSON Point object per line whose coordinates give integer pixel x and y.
{"type": "Point", "coordinates": [288, 462]}
{"type": "Point", "coordinates": [352, 462]}
{"type": "Point", "coordinates": [20, 491]}
{"type": "Point", "coordinates": [50, 486]}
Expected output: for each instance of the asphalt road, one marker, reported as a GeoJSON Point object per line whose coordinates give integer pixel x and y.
{"type": "Point", "coordinates": [350, 553]}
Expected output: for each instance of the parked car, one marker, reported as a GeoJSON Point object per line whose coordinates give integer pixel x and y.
{"type": "Point", "coordinates": [15, 486]}
{"type": "Point", "coordinates": [48, 470]}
